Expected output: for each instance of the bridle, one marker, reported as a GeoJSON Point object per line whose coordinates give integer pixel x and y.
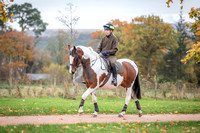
{"type": "Point", "coordinates": [77, 64]}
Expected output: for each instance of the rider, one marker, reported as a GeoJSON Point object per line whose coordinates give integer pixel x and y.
{"type": "Point", "coordinates": [108, 48]}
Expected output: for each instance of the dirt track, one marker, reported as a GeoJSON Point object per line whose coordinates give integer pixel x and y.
{"type": "Point", "coordinates": [72, 119]}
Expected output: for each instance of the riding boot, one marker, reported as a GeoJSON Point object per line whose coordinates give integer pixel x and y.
{"type": "Point", "coordinates": [114, 75]}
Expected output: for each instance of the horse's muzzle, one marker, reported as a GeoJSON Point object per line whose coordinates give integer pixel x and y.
{"type": "Point", "coordinates": [73, 72]}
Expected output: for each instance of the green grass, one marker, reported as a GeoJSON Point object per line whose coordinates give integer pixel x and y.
{"type": "Point", "coordinates": [170, 127]}
{"type": "Point", "coordinates": [48, 106]}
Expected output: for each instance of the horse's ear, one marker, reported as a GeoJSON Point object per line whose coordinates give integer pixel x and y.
{"type": "Point", "coordinates": [68, 47]}
{"type": "Point", "coordinates": [74, 50]}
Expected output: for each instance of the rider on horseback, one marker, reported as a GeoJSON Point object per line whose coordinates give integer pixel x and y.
{"type": "Point", "coordinates": [108, 48]}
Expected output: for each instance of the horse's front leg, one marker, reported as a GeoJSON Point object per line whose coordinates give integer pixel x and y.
{"type": "Point", "coordinates": [94, 99]}
{"type": "Point", "coordinates": [84, 96]}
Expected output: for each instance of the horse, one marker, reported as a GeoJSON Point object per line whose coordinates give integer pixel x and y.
{"type": "Point", "coordinates": [94, 75]}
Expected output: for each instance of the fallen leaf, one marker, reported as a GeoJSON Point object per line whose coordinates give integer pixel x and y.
{"type": "Point", "coordinates": [103, 125]}
{"type": "Point", "coordinates": [128, 129]}
{"type": "Point", "coordinates": [52, 109]}
{"type": "Point", "coordinates": [84, 127]}
{"type": "Point", "coordinates": [66, 127]}
{"type": "Point", "coordinates": [193, 128]}
{"type": "Point", "coordinates": [127, 124]}
{"type": "Point", "coordinates": [61, 118]}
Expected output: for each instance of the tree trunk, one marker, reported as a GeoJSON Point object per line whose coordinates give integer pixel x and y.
{"type": "Point", "coordinates": [149, 66]}
{"type": "Point", "coordinates": [10, 74]}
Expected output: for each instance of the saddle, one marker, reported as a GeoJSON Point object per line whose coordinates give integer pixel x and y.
{"type": "Point", "coordinates": [118, 65]}
{"type": "Point", "coordinates": [107, 65]}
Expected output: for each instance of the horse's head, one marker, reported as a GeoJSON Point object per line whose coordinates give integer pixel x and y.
{"type": "Point", "coordinates": [78, 54]}
{"type": "Point", "coordinates": [75, 59]}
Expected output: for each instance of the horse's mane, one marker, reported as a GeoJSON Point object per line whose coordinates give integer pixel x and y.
{"type": "Point", "coordinates": [92, 51]}
{"type": "Point", "coordinates": [89, 49]}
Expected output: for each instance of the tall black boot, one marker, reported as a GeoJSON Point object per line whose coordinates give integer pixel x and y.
{"type": "Point", "coordinates": [114, 75]}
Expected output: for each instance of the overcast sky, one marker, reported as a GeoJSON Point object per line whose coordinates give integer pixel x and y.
{"type": "Point", "coordinates": [95, 13]}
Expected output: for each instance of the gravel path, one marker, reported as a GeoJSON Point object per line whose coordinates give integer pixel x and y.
{"type": "Point", "coordinates": [72, 119]}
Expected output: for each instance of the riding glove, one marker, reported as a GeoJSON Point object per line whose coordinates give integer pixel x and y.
{"type": "Point", "coordinates": [104, 53]}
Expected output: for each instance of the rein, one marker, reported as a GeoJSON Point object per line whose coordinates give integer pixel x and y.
{"type": "Point", "coordinates": [102, 63]}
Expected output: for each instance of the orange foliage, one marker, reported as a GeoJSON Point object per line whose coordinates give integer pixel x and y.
{"type": "Point", "coordinates": [16, 48]}
{"type": "Point", "coordinates": [96, 34]}
{"type": "Point", "coordinates": [118, 23]}
{"type": "Point", "coordinates": [4, 11]}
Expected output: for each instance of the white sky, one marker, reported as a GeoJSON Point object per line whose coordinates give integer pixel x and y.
{"type": "Point", "coordinates": [95, 13]}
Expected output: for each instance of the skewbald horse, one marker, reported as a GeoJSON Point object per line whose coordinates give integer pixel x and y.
{"type": "Point", "coordinates": [94, 76]}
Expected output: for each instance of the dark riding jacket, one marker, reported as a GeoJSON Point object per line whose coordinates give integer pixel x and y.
{"type": "Point", "coordinates": [109, 44]}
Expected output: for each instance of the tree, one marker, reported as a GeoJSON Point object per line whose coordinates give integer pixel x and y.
{"type": "Point", "coordinates": [4, 11]}
{"type": "Point", "coordinates": [149, 42]}
{"type": "Point", "coordinates": [15, 47]}
{"type": "Point", "coordinates": [28, 18]}
{"type": "Point", "coordinates": [57, 46]}
{"type": "Point", "coordinates": [95, 39]}
{"type": "Point", "coordinates": [194, 52]}
{"type": "Point", "coordinates": [70, 21]}
{"type": "Point", "coordinates": [174, 69]}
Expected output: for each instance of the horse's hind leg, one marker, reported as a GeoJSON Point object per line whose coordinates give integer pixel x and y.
{"type": "Point", "coordinates": [137, 105]}
{"type": "Point", "coordinates": [94, 99]}
{"type": "Point", "coordinates": [127, 100]}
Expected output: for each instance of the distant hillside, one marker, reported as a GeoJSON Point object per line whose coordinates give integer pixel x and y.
{"type": "Point", "coordinates": [84, 36]}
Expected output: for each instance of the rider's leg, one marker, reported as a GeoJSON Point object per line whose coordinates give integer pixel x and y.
{"type": "Point", "coordinates": [114, 75]}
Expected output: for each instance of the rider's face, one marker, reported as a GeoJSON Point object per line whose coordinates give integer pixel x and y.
{"type": "Point", "coordinates": [108, 32]}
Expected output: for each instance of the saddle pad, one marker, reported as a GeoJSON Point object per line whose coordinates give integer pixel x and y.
{"type": "Point", "coordinates": [120, 68]}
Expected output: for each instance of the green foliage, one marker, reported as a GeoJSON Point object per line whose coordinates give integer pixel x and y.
{"type": "Point", "coordinates": [57, 47]}
{"type": "Point", "coordinates": [47, 106]}
{"type": "Point", "coordinates": [28, 18]}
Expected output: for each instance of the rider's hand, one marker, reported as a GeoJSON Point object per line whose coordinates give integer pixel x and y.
{"type": "Point", "coordinates": [104, 53]}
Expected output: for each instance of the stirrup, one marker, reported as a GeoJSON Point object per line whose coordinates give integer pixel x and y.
{"type": "Point", "coordinates": [114, 82]}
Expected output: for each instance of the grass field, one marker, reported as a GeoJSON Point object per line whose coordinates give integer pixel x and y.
{"type": "Point", "coordinates": [167, 127]}
{"type": "Point", "coordinates": [48, 106]}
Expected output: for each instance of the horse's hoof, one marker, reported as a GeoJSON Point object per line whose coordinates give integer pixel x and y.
{"type": "Point", "coordinates": [80, 113]}
{"type": "Point", "coordinates": [120, 115]}
{"type": "Point", "coordinates": [94, 115]}
{"type": "Point", "coordinates": [140, 114]}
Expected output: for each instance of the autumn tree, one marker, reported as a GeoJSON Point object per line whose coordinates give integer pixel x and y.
{"type": "Point", "coordinates": [174, 69]}
{"type": "Point", "coordinates": [15, 47]}
{"type": "Point", "coordinates": [95, 39]}
{"type": "Point", "coordinates": [194, 52]}
{"type": "Point", "coordinates": [28, 18]}
{"type": "Point", "coordinates": [4, 10]}
{"type": "Point", "coordinates": [149, 42]}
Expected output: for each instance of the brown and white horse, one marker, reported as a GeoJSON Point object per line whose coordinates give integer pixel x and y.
{"type": "Point", "coordinates": [94, 74]}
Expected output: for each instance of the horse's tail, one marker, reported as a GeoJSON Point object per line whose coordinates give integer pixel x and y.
{"type": "Point", "coordinates": [136, 87]}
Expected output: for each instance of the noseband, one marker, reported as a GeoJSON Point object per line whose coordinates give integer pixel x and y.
{"type": "Point", "coordinates": [76, 65]}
